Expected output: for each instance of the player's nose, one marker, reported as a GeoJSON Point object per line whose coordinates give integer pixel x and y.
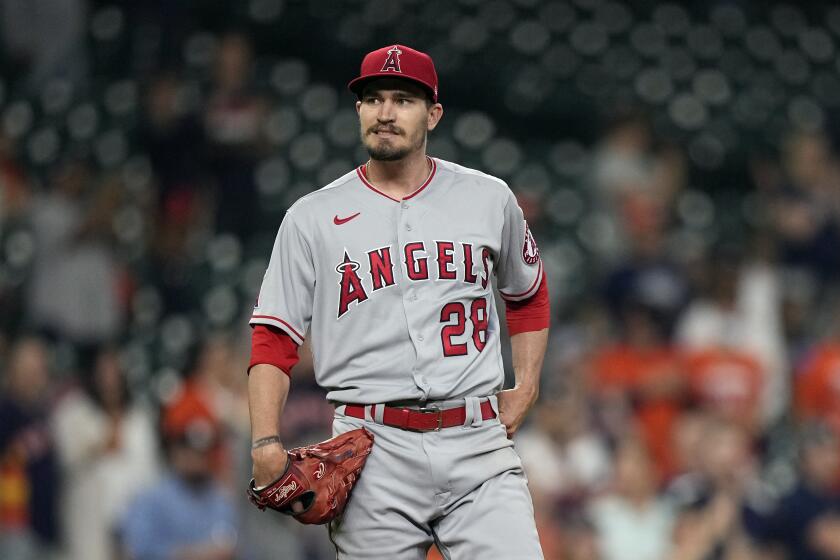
{"type": "Point", "coordinates": [387, 111]}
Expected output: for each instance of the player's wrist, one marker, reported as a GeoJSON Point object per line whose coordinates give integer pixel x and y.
{"type": "Point", "coordinates": [267, 452]}
{"type": "Point", "coordinates": [529, 390]}
{"type": "Point", "coordinates": [265, 442]}
{"type": "Point", "coordinates": [272, 450]}
{"type": "Point", "coordinates": [270, 462]}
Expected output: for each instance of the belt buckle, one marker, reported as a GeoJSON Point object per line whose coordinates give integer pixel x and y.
{"type": "Point", "coordinates": [437, 411]}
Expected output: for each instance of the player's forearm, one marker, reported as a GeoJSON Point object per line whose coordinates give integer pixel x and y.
{"type": "Point", "coordinates": [528, 351]}
{"type": "Point", "coordinates": [268, 388]}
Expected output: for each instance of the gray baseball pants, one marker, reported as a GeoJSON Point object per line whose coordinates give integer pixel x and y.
{"type": "Point", "coordinates": [462, 488]}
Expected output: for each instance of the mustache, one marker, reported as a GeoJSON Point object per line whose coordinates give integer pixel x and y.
{"type": "Point", "coordinates": [378, 128]}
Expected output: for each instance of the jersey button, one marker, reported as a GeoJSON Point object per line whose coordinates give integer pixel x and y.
{"type": "Point", "coordinates": [405, 204]}
{"type": "Point", "coordinates": [408, 227]}
{"type": "Point", "coordinates": [420, 337]}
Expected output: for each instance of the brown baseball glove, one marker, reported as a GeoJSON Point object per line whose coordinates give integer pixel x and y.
{"type": "Point", "coordinates": [320, 476]}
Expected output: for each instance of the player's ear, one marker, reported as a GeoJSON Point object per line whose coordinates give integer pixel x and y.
{"type": "Point", "coordinates": [434, 114]}
{"type": "Point", "coordinates": [358, 106]}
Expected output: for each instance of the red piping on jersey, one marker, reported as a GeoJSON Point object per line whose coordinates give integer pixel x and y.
{"type": "Point", "coordinates": [361, 172]}
{"type": "Point", "coordinates": [290, 327]}
{"type": "Point", "coordinates": [536, 281]}
{"type": "Point", "coordinates": [429, 180]}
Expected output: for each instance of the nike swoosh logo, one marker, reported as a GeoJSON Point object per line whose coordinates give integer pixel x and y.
{"type": "Point", "coordinates": [338, 221]}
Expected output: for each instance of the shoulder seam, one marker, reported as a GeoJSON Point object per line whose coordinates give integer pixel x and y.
{"type": "Point", "coordinates": [461, 170]}
{"type": "Point", "coordinates": [341, 181]}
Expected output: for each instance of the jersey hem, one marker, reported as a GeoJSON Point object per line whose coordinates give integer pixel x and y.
{"type": "Point", "coordinates": [280, 324]}
{"type": "Point", "coordinates": [530, 291]}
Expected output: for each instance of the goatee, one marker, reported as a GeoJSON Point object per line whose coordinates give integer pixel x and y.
{"type": "Point", "coordinates": [386, 153]}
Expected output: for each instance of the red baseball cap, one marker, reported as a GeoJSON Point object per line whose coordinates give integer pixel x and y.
{"type": "Point", "coordinates": [398, 61]}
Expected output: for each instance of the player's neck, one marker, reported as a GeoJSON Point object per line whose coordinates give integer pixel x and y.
{"type": "Point", "coordinates": [400, 178]}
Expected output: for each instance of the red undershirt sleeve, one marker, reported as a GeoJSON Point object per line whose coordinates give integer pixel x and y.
{"type": "Point", "coordinates": [270, 345]}
{"type": "Point", "coordinates": [532, 314]}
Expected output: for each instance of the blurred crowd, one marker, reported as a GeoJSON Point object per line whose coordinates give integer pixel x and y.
{"type": "Point", "coordinates": [690, 400]}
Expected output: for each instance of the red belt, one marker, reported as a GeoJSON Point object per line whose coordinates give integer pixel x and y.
{"type": "Point", "coordinates": [420, 420]}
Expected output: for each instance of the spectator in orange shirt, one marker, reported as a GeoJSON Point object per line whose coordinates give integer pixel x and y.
{"type": "Point", "coordinates": [211, 392]}
{"type": "Point", "coordinates": [740, 308]}
{"type": "Point", "coordinates": [194, 401]}
{"type": "Point", "coordinates": [817, 382]}
{"type": "Point", "coordinates": [641, 375]}
{"type": "Point", "coordinates": [727, 383]}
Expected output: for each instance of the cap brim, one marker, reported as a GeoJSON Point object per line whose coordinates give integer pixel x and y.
{"type": "Point", "coordinates": [358, 84]}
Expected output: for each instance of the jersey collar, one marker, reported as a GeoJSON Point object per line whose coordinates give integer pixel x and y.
{"type": "Point", "coordinates": [363, 177]}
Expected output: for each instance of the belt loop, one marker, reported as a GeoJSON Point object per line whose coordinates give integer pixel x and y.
{"type": "Point", "coordinates": [368, 415]}
{"type": "Point", "coordinates": [469, 412]}
{"type": "Point", "coordinates": [478, 420]}
{"type": "Point", "coordinates": [494, 403]}
{"type": "Point", "coordinates": [378, 413]}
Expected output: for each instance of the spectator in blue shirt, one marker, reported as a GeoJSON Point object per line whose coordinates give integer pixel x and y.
{"type": "Point", "coordinates": [806, 522]}
{"type": "Point", "coordinates": [188, 516]}
{"type": "Point", "coordinates": [29, 475]}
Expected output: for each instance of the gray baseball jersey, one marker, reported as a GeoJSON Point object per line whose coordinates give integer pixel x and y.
{"type": "Point", "coordinates": [397, 294]}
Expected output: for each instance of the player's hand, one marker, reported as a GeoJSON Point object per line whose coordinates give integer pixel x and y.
{"type": "Point", "coordinates": [269, 463]}
{"type": "Point", "coordinates": [514, 405]}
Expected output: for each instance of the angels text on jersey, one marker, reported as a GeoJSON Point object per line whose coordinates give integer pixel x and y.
{"type": "Point", "coordinates": [357, 284]}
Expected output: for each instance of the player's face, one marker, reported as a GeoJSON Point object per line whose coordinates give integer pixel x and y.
{"type": "Point", "coordinates": [394, 118]}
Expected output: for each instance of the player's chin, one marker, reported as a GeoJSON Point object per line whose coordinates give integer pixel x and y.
{"type": "Point", "coordinates": [385, 151]}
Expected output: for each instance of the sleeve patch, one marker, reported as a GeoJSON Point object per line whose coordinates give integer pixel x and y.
{"type": "Point", "coordinates": [530, 251]}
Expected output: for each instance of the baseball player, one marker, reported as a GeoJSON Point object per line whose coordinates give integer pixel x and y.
{"type": "Point", "coordinates": [390, 269]}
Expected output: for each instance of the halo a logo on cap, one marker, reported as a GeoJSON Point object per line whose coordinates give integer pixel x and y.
{"type": "Point", "coordinates": [392, 63]}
